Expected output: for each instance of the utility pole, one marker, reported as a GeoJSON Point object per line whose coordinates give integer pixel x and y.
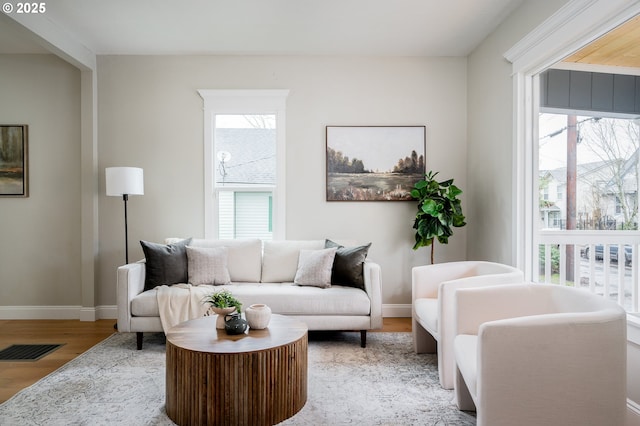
{"type": "Point", "coordinates": [572, 174]}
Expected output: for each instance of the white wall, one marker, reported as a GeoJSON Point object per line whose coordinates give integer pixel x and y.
{"type": "Point", "coordinates": [40, 249]}
{"type": "Point", "coordinates": [490, 135]}
{"type": "Point", "coordinates": [150, 116]}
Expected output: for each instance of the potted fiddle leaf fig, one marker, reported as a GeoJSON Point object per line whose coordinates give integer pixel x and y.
{"type": "Point", "coordinates": [439, 210]}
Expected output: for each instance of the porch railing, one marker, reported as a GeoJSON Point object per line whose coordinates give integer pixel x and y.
{"type": "Point", "coordinates": [613, 280]}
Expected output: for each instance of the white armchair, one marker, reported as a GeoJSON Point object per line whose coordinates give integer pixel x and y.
{"type": "Point", "coordinates": [537, 354]}
{"type": "Point", "coordinates": [432, 301]}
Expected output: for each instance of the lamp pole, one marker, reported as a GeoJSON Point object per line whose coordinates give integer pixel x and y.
{"type": "Point", "coordinates": [125, 198]}
{"type": "Point", "coordinates": [125, 181]}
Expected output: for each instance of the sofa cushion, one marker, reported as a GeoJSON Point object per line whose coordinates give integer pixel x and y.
{"type": "Point", "coordinates": [165, 264]}
{"type": "Point", "coordinates": [244, 260]}
{"type": "Point", "coordinates": [314, 267]}
{"type": "Point", "coordinates": [280, 259]}
{"type": "Point", "coordinates": [291, 299]}
{"type": "Point", "coordinates": [348, 264]}
{"type": "Point", "coordinates": [282, 298]}
{"type": "Point", "coordinates": [145, 304]}
{"type": "Point", "coordinates": [208, 265]}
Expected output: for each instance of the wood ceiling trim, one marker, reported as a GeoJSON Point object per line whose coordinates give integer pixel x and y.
{"type": "Point", "coordinates": [619, 47]}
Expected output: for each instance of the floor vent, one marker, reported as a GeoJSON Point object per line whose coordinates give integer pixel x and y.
{"type": "Point", "coordinates": [27, 352]}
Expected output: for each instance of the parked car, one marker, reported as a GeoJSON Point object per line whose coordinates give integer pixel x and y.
{"type": "Point", "coordinates": [613, 253]}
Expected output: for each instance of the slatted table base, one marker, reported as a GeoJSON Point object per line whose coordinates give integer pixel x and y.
{"type": "Point", "coordinates": [253, 388]}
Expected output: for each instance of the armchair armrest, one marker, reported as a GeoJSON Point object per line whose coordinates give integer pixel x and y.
{"type": "Point", "coordinates": [130, 283]}
{"type": "Point", "coordinates": [373, 287]}
{"type": "Point", "coordinates": [425, 281]}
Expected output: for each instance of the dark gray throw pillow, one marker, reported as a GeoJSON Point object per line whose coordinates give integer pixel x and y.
{"type": "Point", "coordinates": [165, 263]}
{"type": "Point", "coordinates": [348, 264]}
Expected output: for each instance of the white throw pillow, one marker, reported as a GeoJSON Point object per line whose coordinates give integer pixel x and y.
{"type": "Point", "coordinates": [314, 267]}
{"type": "Point", "coordinates": [245, 257]}
{"type": "Point", "coordinates": [280, 259]}
{"type": "Point", "coordinates": [208, 265]}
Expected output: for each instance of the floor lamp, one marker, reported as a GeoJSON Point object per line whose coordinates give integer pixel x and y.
{"type": "Point", "coordinates": [124, 181]}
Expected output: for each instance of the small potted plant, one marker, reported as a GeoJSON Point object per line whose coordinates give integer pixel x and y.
{"type": "Point", "coordinates": [222, 303]}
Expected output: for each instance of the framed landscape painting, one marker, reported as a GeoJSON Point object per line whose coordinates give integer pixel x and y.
{"type": "Point", "coordinates": [14, 176]}
{"type": "Point", "coordinates": [374, 163]}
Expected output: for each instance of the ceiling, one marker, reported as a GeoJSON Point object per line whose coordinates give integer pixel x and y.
{"type": "Point", "coordinates": [619, 47]}
{"type": "Point", "coordinates": [287, 27]}
{"type": "Point", "coordinates": [296, 27]}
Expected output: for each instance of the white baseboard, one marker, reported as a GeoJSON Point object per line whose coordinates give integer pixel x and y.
{"type": "Point", "coordinates": [396, 311]}
{"type": "Point", "coordinates": [107, 312]}
{"type": "Point", "coordinates": [58, 312]}
{"type": "Point", "coordinates": [39, 312]}
{"type": "Point", "coordinates": [87, 314]}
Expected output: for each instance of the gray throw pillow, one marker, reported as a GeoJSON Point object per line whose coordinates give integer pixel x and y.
{"type": "Point", "coordinates": [208, 265]}
{"type": "Point", "coordinates": [314, 267]}
{"type": "Point", "coordinates": [166, 264]}
{"type": "Point", "coordinates": [348, 264]}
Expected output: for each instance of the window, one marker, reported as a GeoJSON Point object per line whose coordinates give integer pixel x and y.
{"type": "Point", "coordinates": [604, 152]}
{"type": "Point", "coordinates": [530, 57]}
{"type": "Point", "coordinates": [244, 163]}
{"type": "Point", "coordinates": [585, 239]}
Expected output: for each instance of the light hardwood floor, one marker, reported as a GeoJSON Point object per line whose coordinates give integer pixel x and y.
{"type": "Point", "coordinates": [77, 337]}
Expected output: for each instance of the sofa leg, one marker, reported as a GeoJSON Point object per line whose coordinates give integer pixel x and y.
{"type": "Point", "coordinates": [139, 340]}
{"type": "Point", "coordinates": [363, 338]}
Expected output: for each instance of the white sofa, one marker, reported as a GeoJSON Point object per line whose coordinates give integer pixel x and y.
{"type": "Point", "coordinates": [540, 354]}
{"type": "Point", "coordinates": [263, 273]}
{"type": "Point", "coordinates": [432, 302]}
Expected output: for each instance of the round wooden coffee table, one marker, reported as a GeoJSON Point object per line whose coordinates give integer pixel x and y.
{"type": "Point", "coordinates": [256, 378]}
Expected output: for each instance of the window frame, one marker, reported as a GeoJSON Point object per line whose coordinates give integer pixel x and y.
{"type": "Point", "coordinates": [574, 25]}
{"type": "Point", "coordinates": [261, 101]}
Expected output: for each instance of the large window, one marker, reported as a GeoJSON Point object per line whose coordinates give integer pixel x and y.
{"type": "Point", "coordinates": [244, 163]}
{"type": "Point", "coordinates": [600, 250]}
{"type": "Point", "coordinates": [588, 148]}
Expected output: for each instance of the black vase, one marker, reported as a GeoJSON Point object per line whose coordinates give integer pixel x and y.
{"type": "Point", "coordinates": [234, 324]}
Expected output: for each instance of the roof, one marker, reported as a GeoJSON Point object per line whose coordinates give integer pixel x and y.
{"type": "Point", "coordinates": [253, 156]}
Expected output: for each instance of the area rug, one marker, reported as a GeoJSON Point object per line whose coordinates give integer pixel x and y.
{"type": "Point", "coordinates": [115, 384]}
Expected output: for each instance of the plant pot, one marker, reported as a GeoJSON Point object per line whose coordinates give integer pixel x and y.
{"type": "Point", "coordinates": [221, 314]}
{"type": "Point", "coordinates": [258, 316]}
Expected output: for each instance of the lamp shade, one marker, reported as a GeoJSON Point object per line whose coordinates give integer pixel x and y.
{"type": "Point", "coordinates": [124, 180]}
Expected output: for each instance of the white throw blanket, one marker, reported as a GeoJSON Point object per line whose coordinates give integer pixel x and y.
{"type": "Point", "coordinates": [181, 302]}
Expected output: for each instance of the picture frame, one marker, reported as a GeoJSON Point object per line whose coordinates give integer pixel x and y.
{"type": "Point", "coordinates": [14, 160]}
{"type": "Point", "coordinates": [374, 163]}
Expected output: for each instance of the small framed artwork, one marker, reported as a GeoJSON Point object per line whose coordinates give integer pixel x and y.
{"type": "Point", "coordinates": [14, 164]}
{"type": "Point", "coordinates": [374, 163]}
